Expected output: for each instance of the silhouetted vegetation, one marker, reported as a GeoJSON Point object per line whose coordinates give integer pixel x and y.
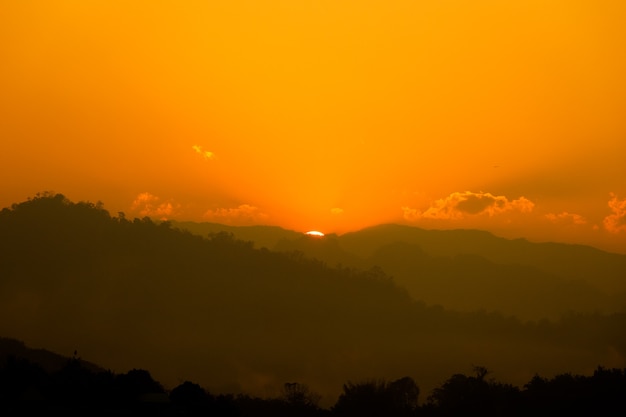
{"type": "Point", "coordinates": [378, 398]}
{"type": "Point", "coordinates": [25, 387]}
{"type": "Point", "coordinates": [236, 319]}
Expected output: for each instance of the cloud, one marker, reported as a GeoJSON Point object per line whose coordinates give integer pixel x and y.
{"type": "Point", "coordinates": [336, 210]}
{"type": "Point", "coordinates": [146, 204]}
{"type": "Point", "coordinates": [244, 213]}
{"type": "Point", "coordinates": [616, 222]}
{"type": "Point", "coordinates": [565, 217]}
{"type": "Point", "coordinates": [203, 153]}
{"type": "Point", "coordinates": [459, 205]}
{"type": "Point", "coordinates": [410, 214]}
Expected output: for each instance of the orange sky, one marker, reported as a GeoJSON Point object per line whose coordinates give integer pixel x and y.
{"type": "Point", "coordinates": [332, 115]}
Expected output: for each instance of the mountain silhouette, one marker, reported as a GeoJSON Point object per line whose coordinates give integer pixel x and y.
{"type": "Point", "coordinates": [574, 262]}
{"type": "Point", "coordinates": [47, 360]}
{"type": "Point", "coordinates": [262, 236]}
{"type": "Point", "coordinates": [141, 294]}
{"type": "Point", "coordinates": [467, 270]}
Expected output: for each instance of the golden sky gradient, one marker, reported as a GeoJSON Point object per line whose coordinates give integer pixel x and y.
{"type": "Point", "coordinates": [332, 115]}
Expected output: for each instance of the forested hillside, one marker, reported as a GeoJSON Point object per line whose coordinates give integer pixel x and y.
{"type": "Point", "coordinates": [28, 385]}
{"type": "Point", "coordinates": [465, 270]}
{"type": "Point", "coordinates": [137, 294]}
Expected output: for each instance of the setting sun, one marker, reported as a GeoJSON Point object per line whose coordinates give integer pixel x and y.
{"type": "Point", "coordinates": [315, 233]}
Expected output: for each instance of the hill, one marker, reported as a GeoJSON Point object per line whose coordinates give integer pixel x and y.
{"type": "Point", "coordinates": [262, 236]}
{"type": "Point", "coordinates": [234, 318]}
{"type": "Point", "coordinates": [47, 360]}
{"type": "Point", "coordinates": [466, 270]}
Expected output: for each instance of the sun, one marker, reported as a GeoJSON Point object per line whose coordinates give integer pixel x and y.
{"type": "Point", "coordinates": [315, 233]}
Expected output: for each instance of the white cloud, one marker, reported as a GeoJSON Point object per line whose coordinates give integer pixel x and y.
{"type": "Point", "coordinates": [616, 222]}
{"type": "Point", "coordinates": [146, 204]}
{"type": "Point", "coordinates": [205, 154]}
{"type": "Point", "coordinates": [459, 205]}
{"type": "Point", "coordinates": [243, 214]}
{"type": "Point", "coordinates": [336, 210]}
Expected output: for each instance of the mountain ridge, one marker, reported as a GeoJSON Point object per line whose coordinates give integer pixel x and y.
{"type": "Point", "coordinates": [240, 319]}
{"type": "Point", "coordinates": [577, 276]}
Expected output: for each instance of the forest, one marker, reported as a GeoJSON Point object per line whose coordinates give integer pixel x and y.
{"type": "Point", "coordinates": [80, 388]}
{"type": "Point", "coordinates": [276, 328]}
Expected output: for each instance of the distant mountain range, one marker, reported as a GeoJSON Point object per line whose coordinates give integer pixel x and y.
{"type": "Point", "coordinates": [234, 318]}
{"type": "Point", "coordinates": [463, 269]}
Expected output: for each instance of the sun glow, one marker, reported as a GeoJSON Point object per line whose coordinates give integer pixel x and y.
{"type": "Point", "coordinates": [210, 137]}
{"type": "Point", "coordinates": [315, 233]}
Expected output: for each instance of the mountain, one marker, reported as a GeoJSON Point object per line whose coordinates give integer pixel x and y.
{"type": "Point", "coordinates": [262, 236]}
{"type": "Point", "coordinates": [469, 282]}
{"type": "Point", "coordinates": [47, 360]}
{"type": "Point", "coordinates": [467, 270]}
{"type": "Point", "coordinates": [235, 318]}
{"type": "Point", "coordinates": [604, 270]}
{"type": "Point", "coordinates": [327, 249]}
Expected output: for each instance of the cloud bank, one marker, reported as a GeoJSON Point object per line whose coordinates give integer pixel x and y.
{"type": "Point", "coordinates": [459, 205]}
{"type": "Point", "coordinates": [146, 204]}
{"type": "Point", "coordinates": [616, 222]}
{"type": "Point", "coordinates": [243, 214]}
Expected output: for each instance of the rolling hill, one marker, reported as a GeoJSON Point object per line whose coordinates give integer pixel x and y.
{"type": "Point", "coordinates": [467, 270]}
{"type": "Point", "coordinates": [239, 319]}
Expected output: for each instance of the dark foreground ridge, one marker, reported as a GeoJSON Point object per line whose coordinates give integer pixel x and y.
{"type": "Point", "coordinates": [74, 389]}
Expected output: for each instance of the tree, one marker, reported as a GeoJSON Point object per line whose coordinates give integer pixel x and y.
{"type": "Point", "coordinates": [191, 397]}
{"type": "Point", "coordinates": [297, 394]}
{"type": "Point", "coordinates": [376, 398]}
{"type": "Point", "coordinates": [136, 383]}
{"type": "Point", "coordinates": [404, 393]}
{"type": "Point", "coordinates": [474, 396]}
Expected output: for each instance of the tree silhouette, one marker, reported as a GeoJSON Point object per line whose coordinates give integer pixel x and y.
{"type": "Point", "coordinates": [191, 398]}
{"type": "Point", "coordinates": [300, 395]}
{"type": "Point", "coordinates": [135, 385]}
{"type": "Point", "coordinates": [474, 396]}
{"type": "Point", "coordinates": [378, 398]}
{"type": "Point", "coordinates": [73, 389]}
{"type": "Point", "coordinates": [404, 393]}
